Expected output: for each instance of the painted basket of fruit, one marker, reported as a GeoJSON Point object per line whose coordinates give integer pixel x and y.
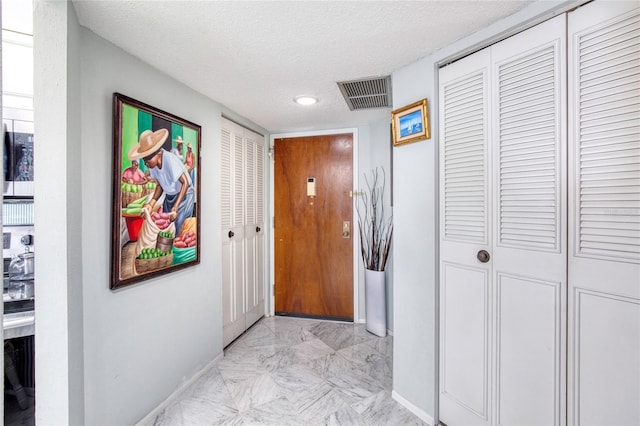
{"type": "Point", "coordinates": [151, 259]}
{"type": "Point", "coordinates": [131, 213]}
{"type": "Point", "coordinates": [134, 207]}
{"type": "Point", "coordinates": [130, 192]}
{"type": "Point", "coordinates": [184, 245]}
{"type": "Point", "coordinates": [164, 241]}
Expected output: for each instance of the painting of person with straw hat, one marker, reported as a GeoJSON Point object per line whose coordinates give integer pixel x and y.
{"type": "Point", "coordinates": [170, 173]}
{"type": "Point", "coordinates": [177, 150]}
{"type": "Point", "coordinates": [190, 162]}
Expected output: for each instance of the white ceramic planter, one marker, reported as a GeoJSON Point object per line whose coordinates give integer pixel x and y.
{"type": "Point", "coordinates": [375, 300]}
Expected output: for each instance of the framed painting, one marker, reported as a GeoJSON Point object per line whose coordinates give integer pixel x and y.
{"type": "Point", "coordinates": [155, 221]}
{"type": "Point", "coordinates": [410, 123]}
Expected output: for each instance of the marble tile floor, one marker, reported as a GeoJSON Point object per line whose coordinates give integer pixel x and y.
{"type": "Point", "coordinates": [293, 371]}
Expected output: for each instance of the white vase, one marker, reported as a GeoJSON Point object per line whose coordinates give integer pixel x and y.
{"type": "Point", "coordinates": [375, 301]}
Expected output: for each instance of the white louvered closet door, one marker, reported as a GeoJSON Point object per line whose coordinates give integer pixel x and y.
{"type": "Point", "coordinates": [503, 225]}
{"type": "Point", "coordinates": [604, 239]}
{"type": "Point", "coordinates": [529, 205]}
{"type": "Point", "coordinates": [233, 242]}
{"type": "Point", "coordinates": [254, 226]}
{"type": "Point", "coordinates": [465, 283]}
{"type": "Point", "coordinates": [243, 243]}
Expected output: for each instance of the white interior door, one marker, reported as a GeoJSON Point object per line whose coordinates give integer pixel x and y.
{"type": "Point", "coordinates": [529, 251]}
{"type": "Point", "coordinates": [503, 244]}
{"type": "Point", "coordinates": [254, 227]}
{"type": "Point", "coordinates": [604, 256]}
{"type": "Point", "coordinates": [243, 258]}
{"type": "Point", "coordinates": [465, 283]}
{"type": "Point", "coordinates": [233, 241]}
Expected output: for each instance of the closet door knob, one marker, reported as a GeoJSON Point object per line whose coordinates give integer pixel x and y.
{"type": "Point", "coordinates": [258, 229]}
{"type": "Point", "coordinates": [483, 256]}
{"type": "Point", "coordinates": [231, 234]}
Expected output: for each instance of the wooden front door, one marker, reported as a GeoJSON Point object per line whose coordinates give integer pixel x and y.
{"type": "Point", "coordinates": [313, 234]}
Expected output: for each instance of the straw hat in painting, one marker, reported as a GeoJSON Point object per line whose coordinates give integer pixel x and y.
{"type": "Point", "coordinates": [149, 143]}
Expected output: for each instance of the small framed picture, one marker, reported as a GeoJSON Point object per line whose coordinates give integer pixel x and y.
{"type": "Point", "coordinates": [410, 123]}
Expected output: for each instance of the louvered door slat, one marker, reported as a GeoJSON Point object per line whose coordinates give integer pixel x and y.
{"type": "Point", "coordinates": [518, 112]}
{"type": "Point", "coordinates": [617, 142]}
{"type": "Point", "coordinates": [458, 99]}
{"type": "Point", "coordinates": [600, 58]}
{"type": "Point", "coordinates": [540, 121]}
{"type": "Point", "coordinates": [624, 225]}
{"type": "Point", "coordinates": [590, 39]}
{"type": "Point", "coordinates": [462, 126]}
{"type": "Point", "coordinates": [532, 154]}
{"type": "Point", "coordinates": [469, 176]}
{"type": "Point", "coordinates": [609, 196]}
{"type": "Point", "coordinates": [608, 86]}
{"type": "Point", "coordinates": [532, 63]}
{"type": "Point", "coordinates": [462, 150]}
{"type": "Point", "coordinates": [618, 165]}
{"type": "Point", "coordinates": [535, 89]}
{"type": "Point", "coordinates": [464, 160]}
{"type": "Point", "coordinates": [462, 163]}
{"type": "Point", "coordinates": [608, 100]}
{"type": "Point", "coordinates": [624, 67]}
{"type": "Point", "coordinates": [611, 107]}
{"type": "Point", "coordinates": [619, 120]}
{"type": "Point", "coordinates": [611, 158]}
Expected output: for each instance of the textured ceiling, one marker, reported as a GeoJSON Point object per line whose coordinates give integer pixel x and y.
{"type": "Point", "coordinates": [256, 56]}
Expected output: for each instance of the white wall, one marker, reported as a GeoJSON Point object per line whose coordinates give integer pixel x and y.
{"type": "Point", "coordinates": [414, 267]}
{"type": "Point", "coordinates": [110, 357]}
{"type": "Point", "coordinates": [416, 215]}
{"type": "Point", "coordinates": [142, 342]}
{"type": "Point", "coordinates": [59, 325]}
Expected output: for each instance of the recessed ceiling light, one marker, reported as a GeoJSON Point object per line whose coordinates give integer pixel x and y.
{"type": "Point", "coordinates": [305, 100]}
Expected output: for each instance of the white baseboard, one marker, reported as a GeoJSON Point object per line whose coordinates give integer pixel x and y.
{"type": "Point", "coordinates": [150, 418]}
{"type": "Point", "coordinates": [422, 415]}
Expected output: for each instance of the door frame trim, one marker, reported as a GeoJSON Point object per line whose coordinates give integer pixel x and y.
{"type": "Point", "coordinates": [270, 290]}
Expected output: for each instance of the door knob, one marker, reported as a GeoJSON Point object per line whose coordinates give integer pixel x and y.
{"type": "Point", "coordinates": [483, 256]}
{"type": "Point", "coordinates": [257, 229]}
{"type": "Point", "coordinates": [231, 234]}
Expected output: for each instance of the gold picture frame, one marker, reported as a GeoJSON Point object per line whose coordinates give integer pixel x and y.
{"type": "Point", "coordinates": [410, 123]}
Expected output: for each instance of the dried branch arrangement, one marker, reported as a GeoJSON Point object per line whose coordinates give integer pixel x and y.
{"type": "Point", "coordinates": [376, 230]}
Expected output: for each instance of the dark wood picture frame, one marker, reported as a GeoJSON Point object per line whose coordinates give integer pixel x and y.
{"type": "Point", "coordinates": [155, 221]}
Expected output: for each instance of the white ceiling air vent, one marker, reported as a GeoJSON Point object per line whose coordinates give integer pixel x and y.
{"type": "Point", "coordinates": [367, 93]}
